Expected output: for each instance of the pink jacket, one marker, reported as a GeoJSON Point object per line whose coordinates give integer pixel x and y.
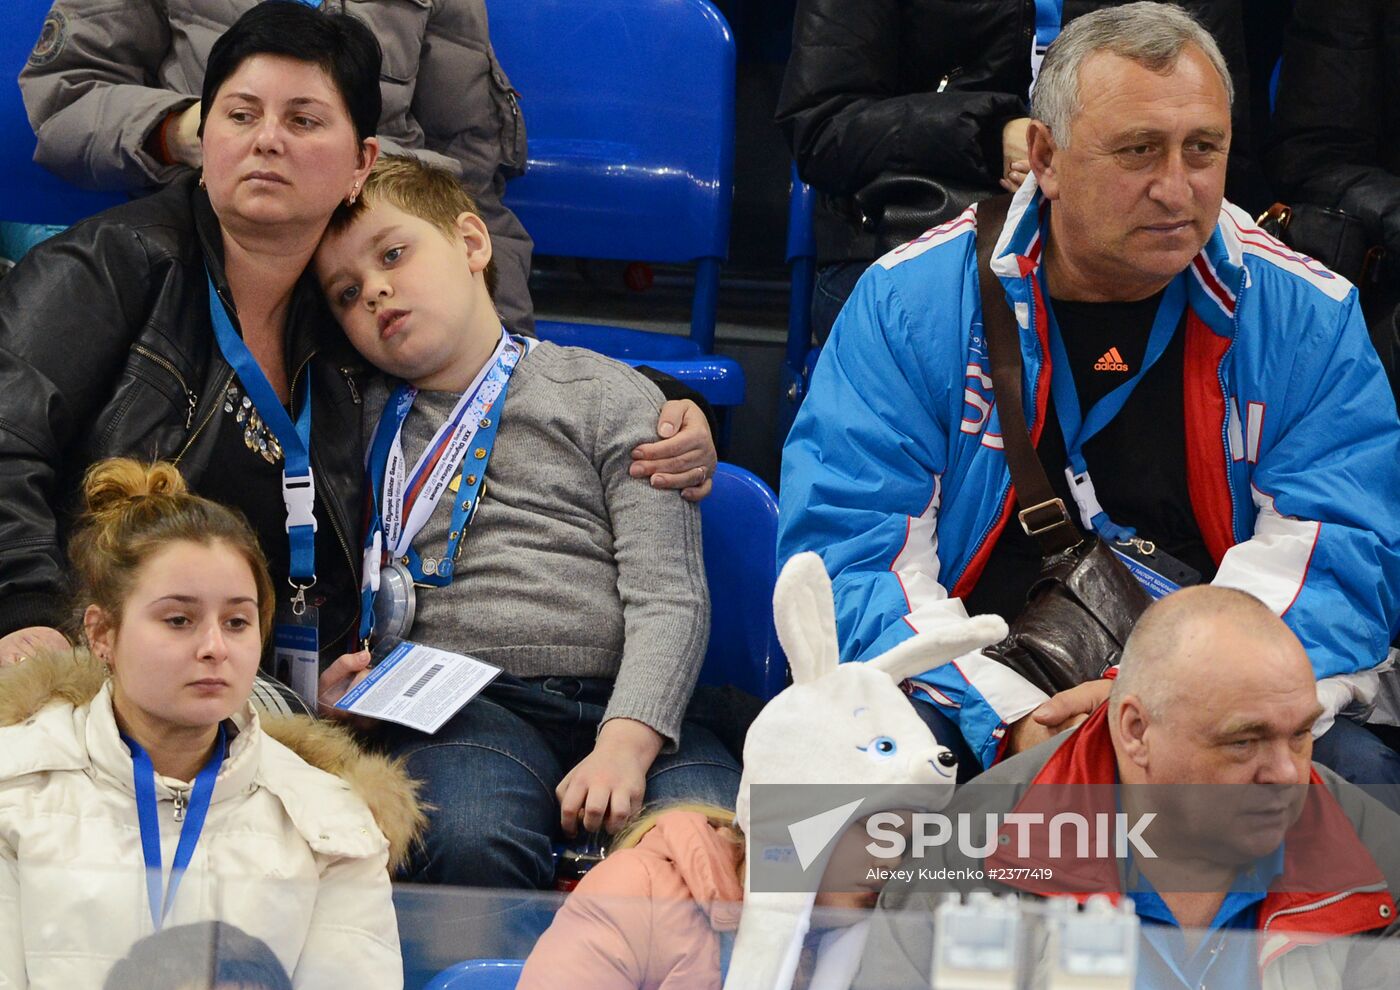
{"type": "Point", "coordinates": [647, 917]}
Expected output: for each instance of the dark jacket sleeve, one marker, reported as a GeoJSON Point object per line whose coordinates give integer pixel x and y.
{"type": "Point", "coordinates": [1245, 182]}
{"type": "Point", "coordinates": [673, 389]}
{"type": "Point", "coordinates": [847, 120]}
{"type": "Point", "coordinates": [1333, 114]}
{"type": "Point", "coordinates": [68, 315]}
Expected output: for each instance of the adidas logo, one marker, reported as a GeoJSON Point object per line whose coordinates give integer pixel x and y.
{"type": "Point", "coordinates": [1111, 361]}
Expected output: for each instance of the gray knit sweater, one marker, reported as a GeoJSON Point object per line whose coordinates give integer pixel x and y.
{"type": "Point", "coordinates": [571, 567]}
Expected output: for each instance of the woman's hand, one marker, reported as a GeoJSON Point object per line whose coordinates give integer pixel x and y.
{"type": "Point", "coordinates": [684, 457]}
{"type": "Point", "coordinates": [22, 644]}
{"type": "Point", "coordinates": [1015, 156]}
{"type": "Point", "coordinates": [182, 138]}
{"type": "Point", "coordinates": [336, 681]}
{"type": "Point", "coordinates": [607, 788]}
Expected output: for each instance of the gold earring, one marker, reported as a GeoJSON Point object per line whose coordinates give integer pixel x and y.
{"type": "Point", "coordinates": [354, 195]}
{"type": "Point", "coordinates": [201, 180]}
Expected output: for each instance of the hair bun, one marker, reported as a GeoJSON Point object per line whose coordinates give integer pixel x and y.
{"type": "Point", "coordinates": [112, 484]}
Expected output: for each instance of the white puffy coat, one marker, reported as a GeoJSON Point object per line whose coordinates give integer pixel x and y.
{"type": "Point", "coordinates": [289, 853]}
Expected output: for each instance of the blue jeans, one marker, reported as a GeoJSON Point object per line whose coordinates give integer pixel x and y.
{"type": "Point", "coordinates": [1358, 755]}
{"type": "Point", "coordinates": [490, 775]}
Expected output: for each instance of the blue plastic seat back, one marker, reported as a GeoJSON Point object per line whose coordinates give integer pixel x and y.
{"type": "Point", "coordinates": [32, 194]}
{"type": "Point", "coordinates": [740, 520]}
{"type": "Point", "coordinates": [800, 355]}
{"type": "Point", "coordinates": [629, 108]}
{"type": "Point", "coordinates": [479, 974]}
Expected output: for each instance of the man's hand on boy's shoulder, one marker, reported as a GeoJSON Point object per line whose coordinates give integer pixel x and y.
{"type": "Point", "coordinates": [684, 458]}
{"type": "Point", "coordinates": [607, 787]}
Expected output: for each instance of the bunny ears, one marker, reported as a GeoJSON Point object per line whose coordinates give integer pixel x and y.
{"type": "Point", "coordinates": [804, 612]}
{"type": "Point", "coordinates": [820, 731]}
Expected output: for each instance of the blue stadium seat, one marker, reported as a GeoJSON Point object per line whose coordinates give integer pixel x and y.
{"type": "Point", "coordinates": [740, 520]}
{"type": "Point", "coordinates": [801, 356]}
{"type": "Point", "coordinates": [478, 974]}
{"type": "Point", "coordinates": [32, 194]}
{"type": "Point", "coordinates": [629, 107]}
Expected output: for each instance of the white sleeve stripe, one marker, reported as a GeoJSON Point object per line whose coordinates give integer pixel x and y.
{"type": "Point", "coordinates": [916, 565]}
{"type": "Point", "coordinates": [1273, 564]}
{"type": "Point", "coordinates": [1010, 695]}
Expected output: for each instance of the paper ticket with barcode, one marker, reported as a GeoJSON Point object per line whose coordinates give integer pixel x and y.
{"type": "Point", "coordinates": [419, 686]}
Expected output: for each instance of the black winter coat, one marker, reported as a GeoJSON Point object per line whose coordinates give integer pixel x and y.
{"type": "Point", "coordinates": [107, 349]}
{"type": "Point", "coordinates": [1336, 129]}
{"type": "Point", "coordinates": [862, 95]}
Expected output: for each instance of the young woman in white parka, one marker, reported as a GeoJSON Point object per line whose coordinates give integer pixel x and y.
{"type": "Point", "coordinates": [139, 788]}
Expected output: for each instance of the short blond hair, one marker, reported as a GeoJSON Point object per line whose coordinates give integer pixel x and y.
{"type": "Point", "coordinates": [645, 820]}
{"type": "Point", "coordinates": [424, 191]}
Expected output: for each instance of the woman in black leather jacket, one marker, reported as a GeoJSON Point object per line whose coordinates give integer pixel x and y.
{"type": "Point", "coordinates": [107, 343]}
{"type": "Point", "coordinates": [937, 87]}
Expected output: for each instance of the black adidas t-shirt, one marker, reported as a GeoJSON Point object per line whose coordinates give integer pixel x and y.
{"type": "Point", "coordinates": [1137, 461]}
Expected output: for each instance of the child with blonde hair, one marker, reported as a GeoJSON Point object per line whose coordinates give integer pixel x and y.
{"type": "Point", "coordinates": [502, 505]}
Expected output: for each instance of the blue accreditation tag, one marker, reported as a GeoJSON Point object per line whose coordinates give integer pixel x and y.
{"type": "Point", "coordinates": [1157, 571]}
{"type": "Point", "coordinates": [296, 645]}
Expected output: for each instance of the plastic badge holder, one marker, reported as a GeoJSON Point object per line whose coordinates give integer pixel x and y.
{"type": "Point", "coordinates": [974, 945]}
{"type": "Point", "coordinates": [1094, 948]}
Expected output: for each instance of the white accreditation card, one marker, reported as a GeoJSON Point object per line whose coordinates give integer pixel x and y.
{"type": "Point", "coordinates": [419, 687]}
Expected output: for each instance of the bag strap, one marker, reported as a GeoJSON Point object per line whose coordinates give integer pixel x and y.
{"type": "Point", "coordinates": [1043, 514]}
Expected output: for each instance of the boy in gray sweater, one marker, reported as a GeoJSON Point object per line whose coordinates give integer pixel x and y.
{"type": "Point", "coordinates": [500, 490]}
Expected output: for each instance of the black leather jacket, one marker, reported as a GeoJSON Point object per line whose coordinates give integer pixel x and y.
{"type": "Point", "coordinates": [1336, 132]}
{"type": "Point", "coordinates": [926, 86]}
{"type": "Point", "coordinates": [106, 349]}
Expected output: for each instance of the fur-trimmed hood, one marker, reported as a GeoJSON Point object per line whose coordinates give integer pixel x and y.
{"type": "Point", "coordinates": [76, 678]}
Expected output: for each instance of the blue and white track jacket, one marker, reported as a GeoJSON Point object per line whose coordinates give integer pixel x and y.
{"type": "Point", "coordinates": [894, 470]}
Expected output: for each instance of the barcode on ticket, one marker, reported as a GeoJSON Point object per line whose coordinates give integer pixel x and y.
{"type": "Point", "coordinates": [427, 676]}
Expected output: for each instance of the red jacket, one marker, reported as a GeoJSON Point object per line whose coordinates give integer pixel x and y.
{"type": "Point", "coordinates": [1330, 886]}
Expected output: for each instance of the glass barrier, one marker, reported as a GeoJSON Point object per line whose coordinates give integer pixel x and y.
{"type": "Point", "coordinates": [89, 926]}
{"type": "Point", "coordinates": [932, 941]}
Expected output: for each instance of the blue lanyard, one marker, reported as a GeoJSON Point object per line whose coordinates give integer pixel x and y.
{"type": "Point", "coordinates": [1048, 16]}
{"type": "Point", "coordinates": [1078, 431]}
{"type": "Point", "coordinates": [464, 503]}
{"type": "Point", "coordinates": [148, 815]}
{"type": "Point", "coordinates": [298, 487]}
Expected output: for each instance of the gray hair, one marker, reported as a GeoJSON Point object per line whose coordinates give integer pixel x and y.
{"type": "Point", "coordinates": [1151, 34]}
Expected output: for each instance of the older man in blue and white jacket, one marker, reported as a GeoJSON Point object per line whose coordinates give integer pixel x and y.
{"type": "Point", "coordinates": [1213, 392]}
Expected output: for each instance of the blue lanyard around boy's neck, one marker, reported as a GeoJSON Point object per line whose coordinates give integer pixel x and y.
{"type": "Point", "coordinates": [148, 815]}
{"type": "Point", "coordinates": [467, 498]}
{"type": "Point", "coordinates": [298, 487]}
{"type": "Point", "coordinates": [1078, 431]}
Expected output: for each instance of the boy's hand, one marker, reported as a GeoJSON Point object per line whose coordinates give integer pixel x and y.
{"type": "Point", "coordinates": [606, 789]}
{"type": "Point", "coordinates": [685, 455]}
{"type": "Point", "coordinates": [1015, 158]}
{"type": "Point", "coordinates": [335, 683]}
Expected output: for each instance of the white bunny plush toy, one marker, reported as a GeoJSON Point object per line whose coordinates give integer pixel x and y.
{"type": "Point", "coordinates": [838, 723]}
